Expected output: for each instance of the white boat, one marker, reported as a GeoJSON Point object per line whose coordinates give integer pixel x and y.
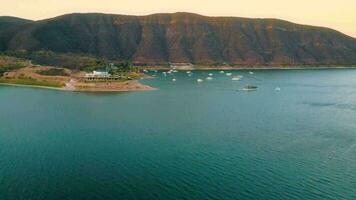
{"type": "Point", "coordinates": [188, 72]}
{"type": "Point", "coordinates": [174, 80]}
{"type": "Point", "coordinates": [199, 80]}
{"type": "Point", "coordinates": [174, 71]}
{"type": "Point", "coordinates": [211, 74]}
{"type": "Point", "coordinates": [228, 74]}
{"type": "Point", "coordinates": [236, 78]}
{"type": "Point", "coordinates": [251, 73]}
{"type": "Point", "coordinates": [249, 88]}
{"type": "Point", "coordinates": [221, 72]}
{"type": "Point", "coordinates": [277, 89]}
{"type": "Point", "coordinates": [209, 78]}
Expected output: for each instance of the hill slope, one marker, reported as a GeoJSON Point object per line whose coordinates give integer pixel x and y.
{"type": "Point", "coordinates": [8, 27]}
{"type": "Point", "coordinates": [185, 37]}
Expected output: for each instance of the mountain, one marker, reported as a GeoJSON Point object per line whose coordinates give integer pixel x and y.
{"type": "Point", "coordinates": [181, 37]}
{"type": "Point", "coordinates": [8, 22]}
{"type": "Point", "coordinates": [8, 27]}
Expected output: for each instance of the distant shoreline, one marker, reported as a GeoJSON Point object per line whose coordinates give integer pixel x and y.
{"type": "Point", "coordinates": [135, 86]}
{"type": "Point", "coordinates": [204, 68]}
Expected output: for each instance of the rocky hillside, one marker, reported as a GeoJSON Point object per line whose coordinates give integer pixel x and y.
{"type": "Point", "coordinates": [181, 37]}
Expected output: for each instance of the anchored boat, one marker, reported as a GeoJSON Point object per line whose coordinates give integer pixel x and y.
{"type": "Point", "coordinates": [236, 78]}
{"type": "Point", "coordinates": [249, 88]}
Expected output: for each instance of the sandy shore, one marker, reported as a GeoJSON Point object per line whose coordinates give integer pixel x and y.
{"type": "Point", "coordinates": [127, 86]}
{"type": "Point", "coordinates": [124, 86]}
{"type": "Point", "coordinates": [31, 86]}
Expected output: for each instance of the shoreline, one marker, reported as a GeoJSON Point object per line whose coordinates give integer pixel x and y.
{"type": "Point", "coordinates": [32, 86]}
{"type": "Point", "coordinates": [136, 86]}
{"type": "Point", "coordinates": [127, 86]}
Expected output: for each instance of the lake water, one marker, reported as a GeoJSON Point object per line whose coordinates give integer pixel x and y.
{"type": "Point", "coordinates": [186, 140]}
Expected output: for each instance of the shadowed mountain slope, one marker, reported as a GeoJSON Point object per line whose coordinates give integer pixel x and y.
{"type": "Point", "coordinates": [182, 37]}
{"type": "Point", "coordinates": [8, 28]}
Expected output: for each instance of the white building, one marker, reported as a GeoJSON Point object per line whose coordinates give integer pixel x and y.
{"type": "Point", "coordinates": [182, 66]}
{"type": "Point", "coordinates": [97, 74]}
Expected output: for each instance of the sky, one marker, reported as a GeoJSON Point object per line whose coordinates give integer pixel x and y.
{"type": "Point", "coordinates": [336, 14]}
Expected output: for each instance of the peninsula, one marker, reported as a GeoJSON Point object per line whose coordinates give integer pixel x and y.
{"type": "Point", "coordinates": [22, 73]}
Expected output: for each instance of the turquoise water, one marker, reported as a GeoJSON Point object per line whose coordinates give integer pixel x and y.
{"type": "Point", "coordinates": [185, 140]}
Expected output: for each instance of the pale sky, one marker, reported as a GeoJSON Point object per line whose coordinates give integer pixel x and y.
{"type": "Point", "coordinates": [336, 14]}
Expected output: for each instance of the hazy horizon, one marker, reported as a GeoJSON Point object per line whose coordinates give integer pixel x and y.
{"type": "Point", "coordinates": [338, 15]}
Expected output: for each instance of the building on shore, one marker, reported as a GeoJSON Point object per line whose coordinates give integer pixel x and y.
{"type": "Point", "coordinates": [102, 76]}
{"type": "Point", "coordinates": [181, 65]}
{"type": "Point", "coordinates": [98, 74]}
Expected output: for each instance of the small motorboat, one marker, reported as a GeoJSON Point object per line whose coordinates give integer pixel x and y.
{"type": "Point", "coordinates": [228, 74]}
{"type": "Point", "coordinates": [188, 72]}
{"type": "Point", "coordinates": [249, 88]}
{"type": "Point", "coordinates": [174, 80]}
{"type": "Point", "coordinates": [277, 89]}
{"type": "Point", "coordinates": [221, 72]}
{"type": "Point", "coordinates": [199, 80]}
{"type": "Point", "coordinates": [209, 78]}
{"type": "Point", "coordinates": [251, 73]}
{"type": "Point", "coordinates": [211, 74]}
{"type": "Point", "coordinates": [236, 78]}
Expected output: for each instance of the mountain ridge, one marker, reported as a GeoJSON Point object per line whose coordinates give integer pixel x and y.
{"type": "Point", "coordinates": [174, 13]}
{"type": "Point", "coordinates": [183, 37]}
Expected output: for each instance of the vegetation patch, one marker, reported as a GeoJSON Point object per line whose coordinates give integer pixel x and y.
{"type": "Point", "coordinates": [53, 72]}
{"type": "Point", "coordinates": [12, 63]}
{"type": "Point", "coordinates": [65, 60]}
{"type": "Point", "coordinates": [30, 81]}
{"type": "Point", "coordinates": [75, 61]}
